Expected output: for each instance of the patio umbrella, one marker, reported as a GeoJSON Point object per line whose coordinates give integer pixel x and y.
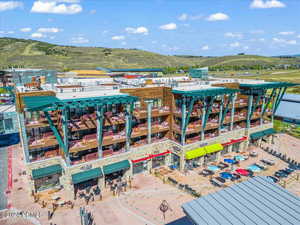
{"type": "Point", "coordinates": [242, 172]}
{"type": "Point", "coordinates": [231, 161]}
{"type": "Point", "coordinates": [226, 175]}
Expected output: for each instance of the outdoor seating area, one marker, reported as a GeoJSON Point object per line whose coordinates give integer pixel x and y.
{"type": "Point", "coordinates": [229, 169]}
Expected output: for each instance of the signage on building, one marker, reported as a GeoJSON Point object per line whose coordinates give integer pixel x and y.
{"type": "Point", "coordinates": [86, 167]}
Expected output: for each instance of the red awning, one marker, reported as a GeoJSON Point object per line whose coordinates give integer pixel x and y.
{"type": "Point", "coordinates": [233, 141]}
{"type": "Point", "coordinates": [140, 160]}
{"type": "Point", "coordinates": [150, 157]}
{"type": "Point", "coordinates": [160, 154]}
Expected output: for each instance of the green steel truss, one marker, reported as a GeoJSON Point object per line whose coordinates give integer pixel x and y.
{"type": "Point", "coordinates": [57, 135]}
{"type": "Point", "coordinates": [225, 111]}
{"type": "Point", "coordinates": [51, 103]}
{"type": "Point", "coordinates": [206, 92]}
{"type": "Point", "coordinates": [100, 122]}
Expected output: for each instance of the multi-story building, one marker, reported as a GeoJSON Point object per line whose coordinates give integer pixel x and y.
{"type": "Point", "coordinates": [82, 136]}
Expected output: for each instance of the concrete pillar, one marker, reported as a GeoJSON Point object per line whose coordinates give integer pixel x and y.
{"type": "Point", "coordinates": [149, 127]}
{"type": "Point", "coordinates": [232, 112]}
{"type": "Point", "coordinates": [182, 162]}
{"type": "Point", "coordinates": [230, 148]}
{"type": "Point", "coordinates": [218, 156]}
{"type": "Point", "coordinates": [203, 117]}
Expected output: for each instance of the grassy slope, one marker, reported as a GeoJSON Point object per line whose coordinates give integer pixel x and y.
{"type": "Point", "coordinates": [31, 53]}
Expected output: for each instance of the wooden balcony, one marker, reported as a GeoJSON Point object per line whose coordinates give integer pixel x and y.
{"type": "Point", "coordinates": [43, 143]}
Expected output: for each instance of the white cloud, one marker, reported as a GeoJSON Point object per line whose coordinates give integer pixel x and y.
{"type": "Point", "coordinates": [138, 30]}
{"type": "Point", "coordinates": [120, 37]}
{"type": "Point", "coordinates": [233, 35]}
{"type": "Point", "coordinates": [257, 32]}
{"type": "Point", "coordinates": [284, 41]}
{"type": "Point", "coordinates": [183, 17]}
{"type": "Point", "coordinates": [25, 29]}
{"type": "Point", "coordinates": [79, 40]}
{"type": "Point", "coordinates": [217, 17]}
{"type": "Point", "coordinates": [298, 36]}
{"type": "Point", "coordinates": [235, 44]}
{"type": "Point", "coordinates": [169, 26]}
{"type": "Point", "coordinates": [56, 7]}
{"type": "Point", "coordinates": [123, 43]}
{"type": "Point", "coordinates": [285, 33]}
{"type": "Point", "coordinates": [205, 48]}
{"type": "Point", "coordinates": [49, 30]}
{"type": "Point", "coordinates": [10, 5]}
{"type": "Point", "coordinates": [38, 35]}
{"type": "Point", "coordinates": [266, 4]}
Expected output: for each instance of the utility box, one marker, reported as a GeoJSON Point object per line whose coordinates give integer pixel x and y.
{"type": "Point", "coordinates": [200, 73]}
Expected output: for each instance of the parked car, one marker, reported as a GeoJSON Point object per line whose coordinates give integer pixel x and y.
{"type": "Point", "coordinates": [222, 180]}
{"type": "Point", "coordinates": [223, 165]}
{"type": "Point", "coordinates": [216, 183]}
{"type": "Point", "coordinates": [274, 179]}
{"type": "Point", "coordinates": [280, 174]}
{"type": "Point", "coordinates": [235, 177]}
{"type": "Point", "coordinates": [206, 172]}
{"type": "Point", "coordinates": [289, 170]}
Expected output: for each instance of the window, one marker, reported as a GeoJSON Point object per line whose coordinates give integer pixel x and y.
{"type": "Point", "coordinates": [8, 124]}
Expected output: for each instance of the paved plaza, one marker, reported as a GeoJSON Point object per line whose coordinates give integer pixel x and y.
{"type": "Point", "coordinates": [139, 205]}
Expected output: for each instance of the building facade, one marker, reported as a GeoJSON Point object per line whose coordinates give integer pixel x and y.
{"type": "Point", "coordinates": [79, 138]}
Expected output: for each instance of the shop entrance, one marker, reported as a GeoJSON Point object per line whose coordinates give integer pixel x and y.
{"type": "Point", "coordinates": [47, 182]}
{"type": "Point", "coordinates": [114, 175]}
{"type": "Point", "coordinates": [225, 150]}
{"type": "Point", "coordinates": [158, 161]}
{"type": "Point", "coordinates": [175, 161]}
{"type": "Point", "coordinates": [140, 167]}
{"type": "Point", "coordinates": [86, 184]}
{"type": "Point", "coordinates": [236, 147]}
{"type": "Point", "coordinates": [211, 157]}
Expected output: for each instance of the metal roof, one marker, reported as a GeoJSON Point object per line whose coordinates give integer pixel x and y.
{"type": "Point", "coordinates": [35, 103]}
{"type": "Point", "coordinates": [266, 85]}
{"type": "Point", "coordinates": [255, 201]}
{"type": "Point", "coordinates": [288, 110]}
{"type": "Point", "coordinates": [206, 92]}
{"type": "Point", "coordinates": [291, 98]}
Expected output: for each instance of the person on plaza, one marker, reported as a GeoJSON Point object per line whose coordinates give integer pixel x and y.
{"type": "Point", "coordinates": [92, 197]}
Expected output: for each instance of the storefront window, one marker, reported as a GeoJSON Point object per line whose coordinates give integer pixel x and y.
{"type": "Point", "coordinates": [46, 182]}
{"type": "Point", "coordinates": [140, 167]}
{"type": "Point", "coordinates": [158, 161]}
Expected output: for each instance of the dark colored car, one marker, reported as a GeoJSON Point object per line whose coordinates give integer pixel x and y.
{"type": "Point", "coordinates": [274, 179]}
{"type": "Point", "coordinates": [279, 174]}
{"type": "Point", "coordinates": [294, 167]}
{"type": "Point", "coordinates": [284, 171]}
{"type": "Point", "coordinates": [289, 170]}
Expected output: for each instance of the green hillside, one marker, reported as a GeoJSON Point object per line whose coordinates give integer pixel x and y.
{"type": "Point", "coordinates": [30, 53]}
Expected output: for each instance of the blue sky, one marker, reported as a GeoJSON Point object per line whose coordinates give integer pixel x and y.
{"type": "Point", "coordinates": [193, 27]}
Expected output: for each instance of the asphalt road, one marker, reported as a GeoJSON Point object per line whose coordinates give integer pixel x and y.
{"type": "Point", "coordinates": [3, 177]}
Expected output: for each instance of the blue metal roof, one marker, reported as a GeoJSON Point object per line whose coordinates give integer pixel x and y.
{"type": "Point", "coordinates": [291, 98]}
{"type": "Point", "coordinates": [255, 201]}
{"type": "Point", "coordinates": [288, 110]}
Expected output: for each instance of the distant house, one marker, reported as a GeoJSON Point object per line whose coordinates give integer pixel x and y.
{"type": "Point", "coordinates": [201, 73]}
